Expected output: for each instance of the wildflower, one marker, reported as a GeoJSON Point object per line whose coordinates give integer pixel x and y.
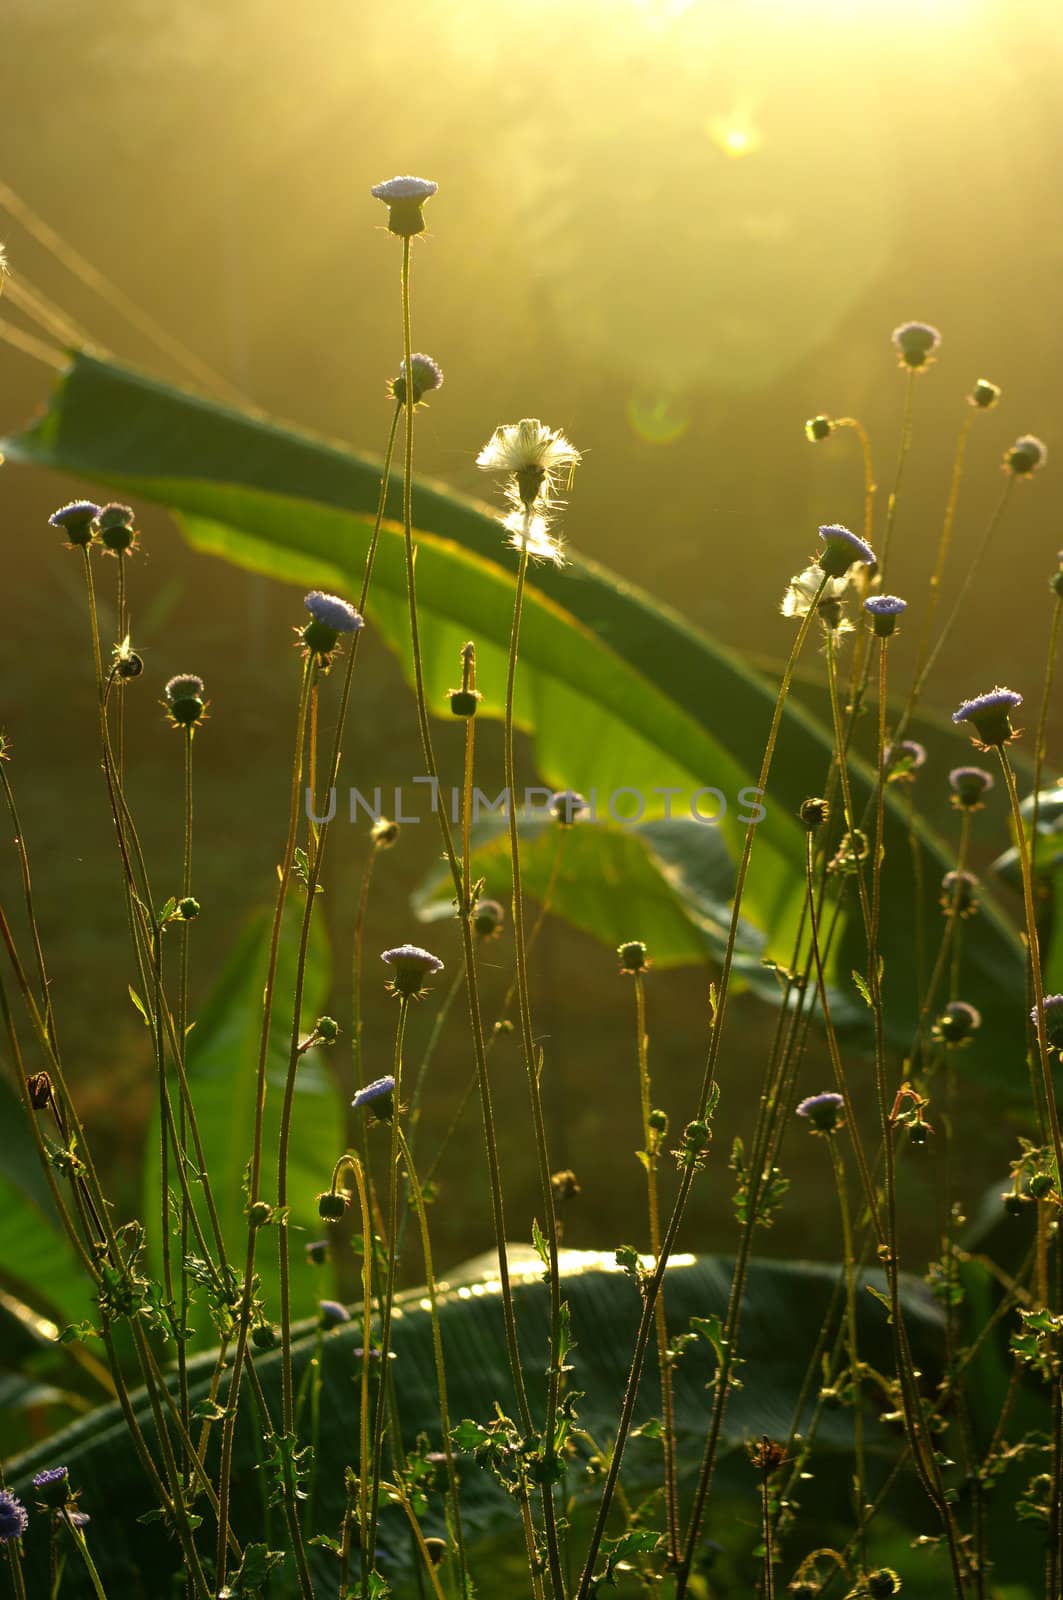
{"type": "Point", "coordinates": [1053, 1031]}
{"type": "Point", "coordinates": [1055, 582]}
{"type": "Point", "coordinates": [842, 550]}
{"type": "Point", "coordinates": [463, 702]}
{"type": "Point", "coordinates": [903, 759]}
{"type": "Point", "coordinates": [317, 1252]}
{"type": "Point", "coordinates": [379, 1089]}
{"type": "Point", "coordinates": [566, 806]}
{"type": "Point", "coordinates": [332, 1205]}
{"type": "Point", "coordinates": [427, 375]}
{"type": "Point", "coordinates": [916, 344]}
{"type": "Point", "coordinates": [883, 1582]}
{"type": "Point", "coordinates": [968, 785]}
{"type": "Point", "coordinates": [185, 700]}
{"type": "Point", "coordinates": [14, 1519]}
{"type": "Point", "coordinates": [814, 812]}
{"type": "Point", "coordinates": [633, 956]}
{"type": "Point", "coordinates": [530, 531]}
{"type": "Point", "coordinates": [959, 894]}
{"type": "Point", "coordinates": [990, 715]}
{"type": "Point", "coordinates": [824, 1111]}
{"type": "Point", "coordinates": [329, 617]}
{"type": "Point", "coordinates": [957, 1022]}
{"type": "Point", "coordinates": [128, 664]}
{"type": "Point", "coordinates": [77, 521]}
{"type": "Point", "coordinates": [52, 1486]}
{"type": "Point", "coordinates": [884, 609]}
{"type": "Point", "coordinates": [332, 1313]}
{"type": "Point", "coordinates": [817, 428]}
{"type": "Point", "coordinates": [1026, 455]}
{"type": "Point", "coordinates": [410, 966]}
{"type": "Point", "coordinates": [534, 457]}
{"type": "Point", "coordinates": [384, 833]}
{"type": "Point", "coordinates": [487, 918]}
{"type": "Point", "coordinates": [566, 1185]}
{"type": "Point", "coordinates": [114, 524]}
{"type": "Point", "coordinates": [803, 588]}
{"type": "Point", "coordinates": [984, 394]}
{"type": "Point", "coordinates": [404, 198]}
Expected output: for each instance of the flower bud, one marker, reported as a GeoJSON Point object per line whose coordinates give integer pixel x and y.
{"type": "Point", "coordinates": [984, 394]}
{"type": "Point", "coordinates": [188, 908]}
{"type": "Point", "coordinates": [814, 813]}
{"type": "Point", "coordinates": [633, 956]}
{"type": "Point", "coordinates": [817, 428]}
{"type": "Point", "coordinates": [332, 1205]}
{"type": "Point", "coordinates": [260, 1214]}
{"type": "Point", "coordinates": [463, 702]}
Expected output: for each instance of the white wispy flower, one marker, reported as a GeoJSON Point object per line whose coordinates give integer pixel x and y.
{"type": "Point", "coordinates": [530, 530]}
{"type": "Point", "coordinates": [537, 460]}
{"type": "Point", "coordinates": [802, 590]}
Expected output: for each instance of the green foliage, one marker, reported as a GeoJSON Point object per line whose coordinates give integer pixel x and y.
{"type": "Point", "coordinates": [604, 1313]}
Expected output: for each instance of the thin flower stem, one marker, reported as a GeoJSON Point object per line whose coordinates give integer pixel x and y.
{"type": "Point", "coordinates": [182, 1043]}
{"type": "Point", "coordinates": [420, 1210]}
{"type": "Point", "coordinates": [14, 1562]}
{"type": "Point", "coordinates": [316, 858]}
{"type": "Point", "coordinates": [902, 457]}
{"type": "Point", "coordinates": [533, 1068]}
{"type": "Point", "coordinates": [1034, 957]}
{"type": "Point", "coordinates": [1042, 717]}
{"type": "Point", "coordinates": [923, 1451]}
{"type": "Point", "coordinates": [943, 543]}
{"type": "Point", "coordinates": [855, 1374]}
{"type": "Point", "coordinates": [464, 920]}
{"type": "Point", "coordinates": [708, 1082]}
{"type": "Point", "coordinates": [255, 1175]}
{"type": "Point", "coordinates": [650, 1142]}
{"type": "Point", "coordinates": [94, 621]}
{"type": "Point", "coordinates": [389, 1284]}
{"type": "Point", "coordinates": [78, 1536]}
{"type": "Point", "coordinates": [869, 473]}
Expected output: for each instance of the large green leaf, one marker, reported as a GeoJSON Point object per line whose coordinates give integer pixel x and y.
{"type": "Point", "coordinates": [605, 1306]}
{"type": "Point", "coordinates": [616, 690]}
{"type": "Point", "coordinates": [222, 1064]}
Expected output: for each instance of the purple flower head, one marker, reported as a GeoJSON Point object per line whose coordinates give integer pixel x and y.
{"type": "Point", "coordinates": [824, 1111]}
{"type": "Point", "coordinates": [53, 1486]}
{"type": "Point", "coordinates": [77, 521]}
{"type": "Point", "coordinates": [1026, 455]}
{"type": "Point", "coordinates": [884, 609]}
{"type": "Point", "coordinates": [410, 966]}
{"type": "Point", "coordinates": [80, 1519]}
{"type": "Point", "coordinates": [1053, 1021]}
{"type": "Point", "coordinates": [959, 894]}
{"type": "Point", "coordinates": [14, 1519]}
{"type": "Point", "coordinates": [427, 375]}
{"type": "Point", "coordinates": [114, 524]}
{"type": "Point", "coordinates": [374, 1091]}
{"type": "Point", "coordinates": [916, 343]}
{"type": "Point", "coordinates": [990, 716]}
{"type": "Point", "coordinates": [407, 188]}
{"type": "Point", "coordinates": [903, 760]}
{"type": "Point", "coordinates": [842, 550]}
{"type": "Point", "coordinates": [968, 785]}
{"type": "Point", "coordinates": [332, 612]}
{"type": "Point", "coordinates": [957, 1022]}
{"type": "Point", "coordinates": [404, 198]}
{"type": "Point", "coordinates": [332, 1313]}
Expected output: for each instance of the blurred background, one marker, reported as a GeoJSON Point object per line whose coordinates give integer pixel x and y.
{"type": "Point", "coordinates": [674, 228]}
